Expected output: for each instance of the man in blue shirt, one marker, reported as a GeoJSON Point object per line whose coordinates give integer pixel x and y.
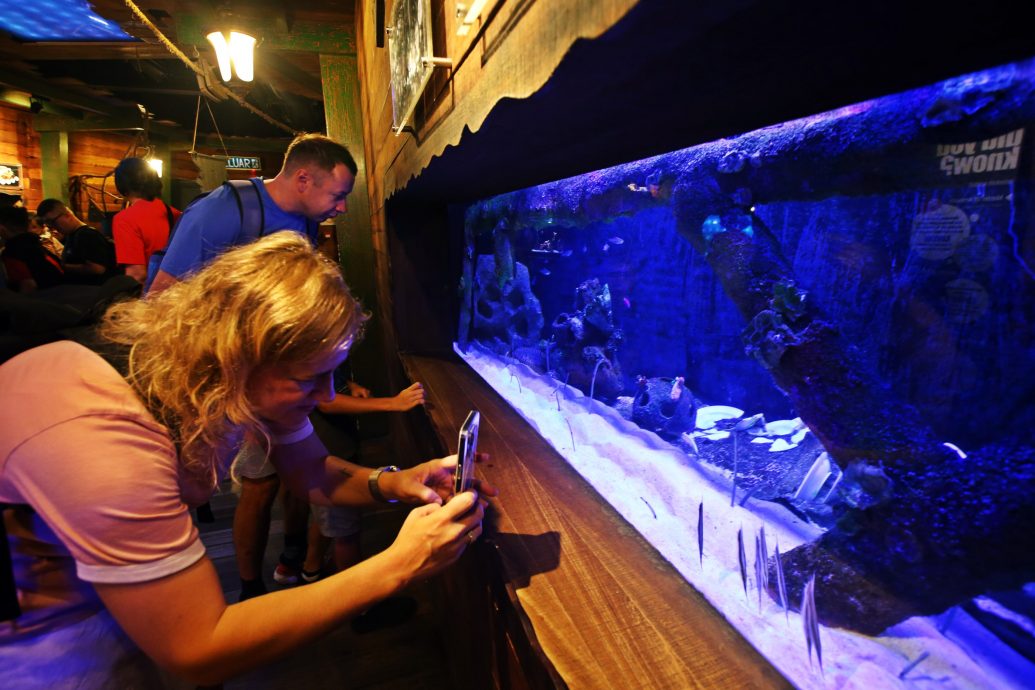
{"type": "Point", "coordinates": [318, 173]}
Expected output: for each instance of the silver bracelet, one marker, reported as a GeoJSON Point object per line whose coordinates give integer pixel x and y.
{"type": "Point", "coordinates": [302, 432]}
{"type": "Point", "coordinates": [375, 490]}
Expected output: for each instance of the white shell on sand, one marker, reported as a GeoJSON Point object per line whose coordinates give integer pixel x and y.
{"type": "Point", "coordinates": [779, 444]}
{"type": "Point", "coordinates": [761, 439]}
{"type": "Point", "coordinates": [717, 436]}
{"type": "Point", "coordinates": [799, 435]}
{"type": "Point", "coordinates": [707, 416]}
{"type": "Point", "coordinates": [782, 427]}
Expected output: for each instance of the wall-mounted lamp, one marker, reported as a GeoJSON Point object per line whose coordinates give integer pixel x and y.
{"type": "Point", "coordinates": [237, 51]}
{"type": "Point", "coordinates": [156, 165]}
{"type": "Point", "coordinates": [470, 14]}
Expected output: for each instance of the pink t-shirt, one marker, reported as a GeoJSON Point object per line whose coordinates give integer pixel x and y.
{"type": "Point", "coordinates": [110, 497]}
{"type": "Point", "coordinates": [140, 230]}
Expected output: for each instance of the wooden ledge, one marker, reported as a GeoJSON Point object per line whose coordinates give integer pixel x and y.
{"type": "Point", "coordinates": [605, 608]}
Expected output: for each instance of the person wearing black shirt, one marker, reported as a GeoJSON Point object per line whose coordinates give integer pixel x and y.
{"type": "Point", "coordinates": [28, 265]}
{"type": "Point", "coordinates": [89, 257]}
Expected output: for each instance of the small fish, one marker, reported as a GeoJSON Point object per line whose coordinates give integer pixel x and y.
{"type": "Point", "coordinates": [761, 565]}
{"type": "Point", "coordinates": [616, 240]}
{"type": "Point", "coordinates": [742, 557]}
{"type": "Point", "coordinates": [627, 303]}
{"type": "Point", "coordinates": [765, 548]}
{"type": "Point", "coordinates": [748, 422]}
{"type": "Point", "coordinates": [700, 532]}
{"type": "Point", "coordinates": [781, 584]}
{"type": "Point", "coordinates": [761, 574]}
{"type": "Point", "coordinates": [545, 271]}
{"type": "Point", "coordinates": [607, 247]}
{"type": "Point", "coordinates": [677, 388]}
{"type": "Point", "coordinates": [810, 620]}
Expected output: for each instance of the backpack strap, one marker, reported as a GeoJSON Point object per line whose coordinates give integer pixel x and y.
{"type": "Point", "coordinates": [168, 219]}
{"type": "Point", "coordinates": [249, 204]}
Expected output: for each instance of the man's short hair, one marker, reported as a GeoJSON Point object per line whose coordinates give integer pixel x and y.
{"type": "Point", "coordinates": [14, 218]}
{"type": "Point", "coordinates": [48, 205]}
{"type": "Point", "coordinates": [319, 150]}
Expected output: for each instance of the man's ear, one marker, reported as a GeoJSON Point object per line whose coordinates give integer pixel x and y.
{"type": "Point", "coordinates": [302, 178]}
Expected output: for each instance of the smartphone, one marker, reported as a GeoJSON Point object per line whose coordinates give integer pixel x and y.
{"type": "Point", "coordinates": [466, 448]}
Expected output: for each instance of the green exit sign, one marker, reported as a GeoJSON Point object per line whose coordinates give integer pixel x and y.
{"type": "Point", "coordinates": [243, 163]}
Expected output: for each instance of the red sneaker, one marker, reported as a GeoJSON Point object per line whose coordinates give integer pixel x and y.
{"type": "Point", "coordinates": [285, 575]}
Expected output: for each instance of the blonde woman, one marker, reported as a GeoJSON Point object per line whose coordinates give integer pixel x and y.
{"type": "Point", "coordinates": [107, 560]}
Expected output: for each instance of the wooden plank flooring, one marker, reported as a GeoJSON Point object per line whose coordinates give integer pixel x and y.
{"type": "Point", "coordinates": [410, 655]}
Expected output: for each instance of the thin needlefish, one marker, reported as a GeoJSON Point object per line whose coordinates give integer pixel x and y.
{"type": "Point", "coordinates": [761, 568]}
{"type": "Point", "coordinates": [700, 532]}
{"type": "Point", "coordinates": [742, 557]}
{"type": "Point", "coordinates": [810, 620]}
{"type": "Point", "coordinates": [781, 584]}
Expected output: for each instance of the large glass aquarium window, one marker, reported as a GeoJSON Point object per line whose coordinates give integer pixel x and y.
{"type": "Point", "coordinates": [801, 362]}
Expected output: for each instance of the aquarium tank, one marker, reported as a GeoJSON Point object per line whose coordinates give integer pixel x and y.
{"type": "Point", "coordinates": [801, 363]}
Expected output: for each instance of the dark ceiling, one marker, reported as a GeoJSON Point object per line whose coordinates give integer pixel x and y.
{"type": "Point", "coordinates": [675, 73]}
{"type": "Point", "coordinates": [103, 82]}
{"type": "Point", "coordinates": [671, 74]}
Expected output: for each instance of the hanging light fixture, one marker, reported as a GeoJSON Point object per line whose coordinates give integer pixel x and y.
{"type": "Point", "coordinates": [156, 165]}
{"type": "Point", "coordinates": [237, 51]}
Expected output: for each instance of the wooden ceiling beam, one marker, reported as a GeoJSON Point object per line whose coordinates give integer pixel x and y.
{"type": "Point", "coordinates": [304, 36]}
{"type": "Point", "coordinates": [61, 94]}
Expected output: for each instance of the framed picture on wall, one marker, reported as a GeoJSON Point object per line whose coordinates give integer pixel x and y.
{"type": "Point", "coordinates": [409, 56]}
{"type": "Point", "coordinates": [11, 177]}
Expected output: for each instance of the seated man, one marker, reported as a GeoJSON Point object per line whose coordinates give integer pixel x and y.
{"type": "Point", "coordinates": [28, 265]}
{"type": "Point", "coordinates": [89, 257]}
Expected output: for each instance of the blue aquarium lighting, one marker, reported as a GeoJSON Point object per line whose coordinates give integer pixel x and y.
{"type": "Point", "coordinates": [59, 20]}
{"type": "Point", "coordinates": [800, 362]}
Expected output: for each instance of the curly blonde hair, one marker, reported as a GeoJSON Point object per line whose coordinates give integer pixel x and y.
{"type": "Point", "coordinates": [194, 346]}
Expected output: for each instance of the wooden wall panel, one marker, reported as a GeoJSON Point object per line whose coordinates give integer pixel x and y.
{"type": "Point", "coordinates": [183, 167]}
{"type": "Point", "coordinates": [95, 155]}
{"type": "Point", "coordinates": [19, 143]}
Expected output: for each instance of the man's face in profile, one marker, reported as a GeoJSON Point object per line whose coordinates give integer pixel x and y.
{"type": "Point", "coordinates": [324, 196]}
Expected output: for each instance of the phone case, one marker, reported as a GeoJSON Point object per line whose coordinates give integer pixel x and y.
{"type": "Point", "coordinates": [466, 449]}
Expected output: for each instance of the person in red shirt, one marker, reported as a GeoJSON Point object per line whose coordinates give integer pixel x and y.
{"type": "Point", "coordinates": [142, 228]}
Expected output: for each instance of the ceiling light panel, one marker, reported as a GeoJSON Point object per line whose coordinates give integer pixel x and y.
{"type": "Point", "coordinates": [58, 20]}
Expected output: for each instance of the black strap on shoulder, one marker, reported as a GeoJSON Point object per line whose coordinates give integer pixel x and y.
{"type": "Point", "coordinates": [168, 219]}
{"type": "Point", "coordinates": [249, 205]}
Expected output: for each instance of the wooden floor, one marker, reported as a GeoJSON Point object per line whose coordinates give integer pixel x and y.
{"type": "Point", "coordinates": [410, 655]}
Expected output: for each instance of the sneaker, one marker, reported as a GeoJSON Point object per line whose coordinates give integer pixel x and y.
{"type": "Point", "coordinates": [309, 577]}
{"type": "Point", "coordinates": [284, 574]}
